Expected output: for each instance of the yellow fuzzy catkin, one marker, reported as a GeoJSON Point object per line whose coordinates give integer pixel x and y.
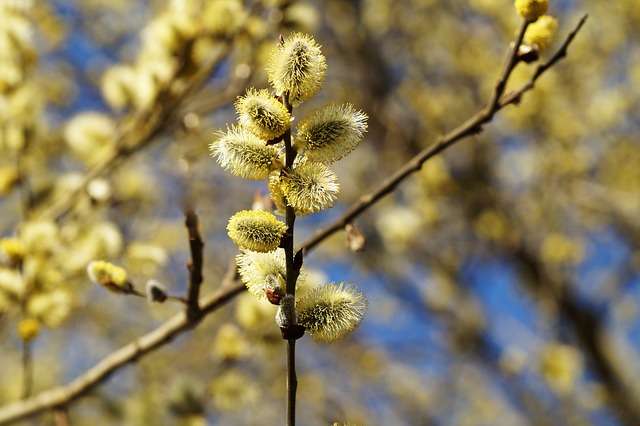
{"type": "Point", "coordinates": [297, 67]}
{"type": "Point", "coordinates": [531, 9]}
{"type": "Point", "coordinates": [256, 230]}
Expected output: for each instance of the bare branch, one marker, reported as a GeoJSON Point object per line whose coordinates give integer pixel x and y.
{"type": "Point", "coordinates": [515, 96]}
{"type": "Point", "coordinates": [178, 324]}
{"type": "Point", "coordinates": [470, 127]}
{"type": "Point", "coordinates": [196, 244]}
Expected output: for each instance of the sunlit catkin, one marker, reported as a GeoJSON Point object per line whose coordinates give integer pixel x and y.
{"type": "Point", "coordinates": [331, 132]}
{"type": "Point", "coordinates": [244, 154]}
{"type": "Point", "coordinates": [332, 311]}
{"type": "Point", "coordinates": [108, 275]}
{"type": "Point", "coordinates": [297, 67]}
{"type": "Point", "coordinates": [310, 187]}
{"type": "Point", "coordinates": [262, 271]}
{"type": "Point", "coordinates": [262, 114]}
{"type": "Point", "coordinates": [541, 33]}
{"type": "Point", "coordinates": [531, 9]}
{"type": "Point", "coordinates": [256, 230]}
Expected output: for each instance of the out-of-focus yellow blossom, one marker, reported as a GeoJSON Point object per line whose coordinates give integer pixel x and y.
{"type": "Point", "coordinates": [229, 342]}
{"type": "Point", "coordinates": [110, 276]}
{"type": "Point", "coordinates": [561, 366]}
{"type": "Point", "coordinates": [50, 308]}
{"type": "Point", "coordinates": [531, 9]}
{"type": "Point", "coordinates": [11, 283]}
{"type": "Point", "coordinates": [40, 237]}
{"type": "Point", "coordinates": [8, 180]}
{"type": "Point", "coordinates": [232, 390]}
{"type": "Point", "coordinates": [253, 313]}
{"type": "Point", "coordinates": [541, 33]}
{"type": "Point", "coordinates": [28, 329]}
{"type": "Point", "coordinates": [560, 249]}
{"type": "Point", "coordinates": [223, 17]}
{"type": "Point", "coordinates": [12, 251]}
{"type": "Point", "coordinates": [91, 135]}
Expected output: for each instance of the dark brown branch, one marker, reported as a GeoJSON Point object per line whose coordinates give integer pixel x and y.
{"type": "Point", "coordinates": [196, 244]}
{"type": "Point", "coordinates": [292, 277]}
{"type": "Point", "coordinates": [470, 127]}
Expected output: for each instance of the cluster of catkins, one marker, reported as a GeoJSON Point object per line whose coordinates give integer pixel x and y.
{"type": "Point", "coordinates": [296, 165]}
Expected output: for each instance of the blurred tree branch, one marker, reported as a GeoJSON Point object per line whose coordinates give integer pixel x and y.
{"type": "Point", "coordinates": [61, 396]}
{"type": "Point", "coordinates": [472, 126]}
{"type": "Point", "coordinates": [588, 327]}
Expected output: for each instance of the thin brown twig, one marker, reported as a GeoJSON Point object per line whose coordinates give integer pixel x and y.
{"type": "Point", "coordinates": [516, 95]}
{"type": "Point", "coordinates": [292, 276]}
{"type": "Point", "coordinates": [472, 126]}
{"type": "Point", "coordinates": [196, 244]}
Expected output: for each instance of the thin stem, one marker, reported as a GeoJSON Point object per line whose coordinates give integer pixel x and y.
{"type": "Point", "coordinates": [27, 369]}
{"type": "Point", "coordinates": [292, 382]}
{"type": "Point", "coordinates": [292, 276]}
{"type": "Point", "coordinates": [196, 244]}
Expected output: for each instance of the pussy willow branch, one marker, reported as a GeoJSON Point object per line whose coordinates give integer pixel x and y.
{"type": "Point", "coordinates": [61, 396]}
{"type": "Point", "coordinates": [472, 126]}
{"type": "Point", "coordinates": [165, 333]}
{"type": "Point", "coordinates": [292, 276]}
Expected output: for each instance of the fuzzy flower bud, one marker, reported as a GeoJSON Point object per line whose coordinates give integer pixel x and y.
{"type": "Point", "coordinates": [262, 114]}
{"type": "Point", "coordinates": [310, 187]}
{"type": "Point", "coordinates": [541, 33]}
{"type": "Point", "coordinates": [531, 9]}
{"type": "Point", "coordinates": [256, 230]}
{"type": "Point", "coordinates": [332, 311]}
{"type": "Point", "coordinates": [264, 273]}
{"type": "Point", "coordinates": [276, 194]}
{"type": "Point", "coordinates": [297, 67]}
{"type": "Point", "coordinates": [331, 132]}
{"type": "Point", "coordinates": [244, 154]}
{"type": "Point", "coordinates": [110, 276]}
{"type": "Point", "coordinates": [287, 315]}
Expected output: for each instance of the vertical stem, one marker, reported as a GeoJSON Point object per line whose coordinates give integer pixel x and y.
{"type": "Point", "coordinates": [292, 275]}
{"type": "Point", "coordinates": [27, 369]}
{"type": "Point", "coordinates": [292, 382]}
{"type": "Point", "coordinates": [194, 265]}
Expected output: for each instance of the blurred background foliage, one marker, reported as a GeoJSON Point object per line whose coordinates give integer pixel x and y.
{"type": "Point", "coordinates": [502, 278]}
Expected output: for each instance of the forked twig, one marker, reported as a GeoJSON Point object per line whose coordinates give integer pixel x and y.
{"type": "Point", "coordinates": [472, 126]}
